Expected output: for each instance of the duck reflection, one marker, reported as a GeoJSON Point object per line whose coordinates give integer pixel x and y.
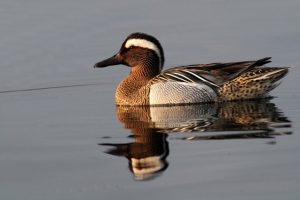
{"type": "Point", "coordinates": [147, 154]}
{"type": "Point", "coordinates": [150, 127]}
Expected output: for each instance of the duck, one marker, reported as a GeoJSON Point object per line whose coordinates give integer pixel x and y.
{"type": "Point", "coordinates": [147, 84]}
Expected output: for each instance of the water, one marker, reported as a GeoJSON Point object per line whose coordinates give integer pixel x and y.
{"type": "Point", "coordinates": [63, 138]}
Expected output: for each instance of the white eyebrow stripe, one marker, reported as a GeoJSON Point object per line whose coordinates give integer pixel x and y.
{"type": "Point", "coordinates": [144, 44]}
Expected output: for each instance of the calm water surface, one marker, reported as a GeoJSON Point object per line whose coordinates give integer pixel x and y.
{"type": "Point", "coordinates": [62, 137]}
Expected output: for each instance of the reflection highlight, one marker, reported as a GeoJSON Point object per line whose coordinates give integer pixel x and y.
{"type": "Point", "coordinates": [150, 127]}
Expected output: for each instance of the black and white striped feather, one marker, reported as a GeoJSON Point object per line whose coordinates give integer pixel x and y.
{"type": "Point", "coordinates": [213, 74]}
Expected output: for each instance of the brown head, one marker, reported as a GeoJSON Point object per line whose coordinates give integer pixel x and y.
{"type": "Point", "coordinates": [139, 50]}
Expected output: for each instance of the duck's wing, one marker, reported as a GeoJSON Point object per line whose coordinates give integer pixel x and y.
{"type": "Point", "coordinates": [213, 74]}
{"type": "Point", "coordinates": [187, 75]}
{"type": "Point", "coordinates": [231, 67]}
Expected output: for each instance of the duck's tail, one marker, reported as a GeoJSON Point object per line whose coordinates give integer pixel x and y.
{"type": "Point", "coordinates": [255, 83]}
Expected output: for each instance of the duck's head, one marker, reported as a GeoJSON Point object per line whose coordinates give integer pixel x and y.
{"type": "Point", "coordinates": [138, 50]}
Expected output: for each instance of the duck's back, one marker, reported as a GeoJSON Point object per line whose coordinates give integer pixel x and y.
{"type": "Point", "coordinates": [215, 82]}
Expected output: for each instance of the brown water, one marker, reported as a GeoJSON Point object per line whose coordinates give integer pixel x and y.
{"type": "Point", "coordinates": [63, 138]}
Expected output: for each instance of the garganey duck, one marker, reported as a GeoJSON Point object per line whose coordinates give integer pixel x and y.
{"type": "Point", "coordinates": [146, 84]}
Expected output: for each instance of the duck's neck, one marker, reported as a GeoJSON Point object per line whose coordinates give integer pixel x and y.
{"type": "Point", "coordinates": [145, 72]}
{"type": "Point", "coordinates": [133, 89]}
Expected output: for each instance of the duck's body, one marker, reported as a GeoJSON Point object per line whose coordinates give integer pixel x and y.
{"type": "Point", "coordinates": [146, 85]}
